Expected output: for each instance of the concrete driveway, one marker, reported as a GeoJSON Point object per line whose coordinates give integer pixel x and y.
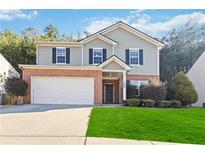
{"type": "Point", "coordinates": [43, 124]}
{"type": "Point", "coordinates": [52, 124]}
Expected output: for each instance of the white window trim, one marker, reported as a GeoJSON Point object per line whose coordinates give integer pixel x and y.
{"type": "Point", "coordinates": [57, 55]}
{"type": "Point", "coordinates": [101, 56]}
{"type": "Point", "coordinates": [137, 49]}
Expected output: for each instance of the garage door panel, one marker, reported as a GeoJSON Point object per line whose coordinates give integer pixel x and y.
{"type": "Point", "coordinates": [58, 90]}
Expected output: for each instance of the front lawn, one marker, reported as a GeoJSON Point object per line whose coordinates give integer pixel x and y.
{"type": "Point", "coordinates": [171, 125]}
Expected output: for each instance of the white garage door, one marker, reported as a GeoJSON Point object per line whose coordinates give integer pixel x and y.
{"type": "Point", "coordinates": [60, 90]}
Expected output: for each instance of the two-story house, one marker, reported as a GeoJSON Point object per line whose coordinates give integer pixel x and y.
{"type": "Point", "coordinates": [94, 70]}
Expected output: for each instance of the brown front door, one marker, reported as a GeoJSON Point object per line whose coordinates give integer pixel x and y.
{"type": "Point", "coordinates": [109, 93]}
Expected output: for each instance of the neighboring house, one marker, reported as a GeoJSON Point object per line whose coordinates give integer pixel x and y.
{"type": "Point", "coordinates": [94, 70]}
{"type": "Point", "coordinates": [6, 70]}
{"type": "Point", "coordinates": [197, 75]}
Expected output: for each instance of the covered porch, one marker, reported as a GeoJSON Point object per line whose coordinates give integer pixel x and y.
{"type": "Point", "coordinates": [114, 72]}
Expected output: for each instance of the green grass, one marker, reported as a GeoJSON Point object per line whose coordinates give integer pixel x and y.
{"type": "Point", "coordinates": [170, 125]}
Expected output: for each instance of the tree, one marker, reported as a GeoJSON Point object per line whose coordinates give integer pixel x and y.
{"type": "Point", "coordinates": [182, 48]}
{"type": "Point", "coordinates": [18, 49]}
{"type": "Point", "coordinates": [10, 47]}
{"type": "Point", "coordinates": [51, 33]}
{"type": "Point", "coordinates": [181, 88]}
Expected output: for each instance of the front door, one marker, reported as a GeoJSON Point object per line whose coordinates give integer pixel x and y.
{"type": "Point", "coordinates": [109, 93]}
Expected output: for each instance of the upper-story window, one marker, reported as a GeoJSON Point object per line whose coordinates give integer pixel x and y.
{"type": "Point", "coordinates": [61, 55]}
{"type": "Point", "coordinates": [134, 56]}
{"type": "Point", "coordinates": [97, 55]}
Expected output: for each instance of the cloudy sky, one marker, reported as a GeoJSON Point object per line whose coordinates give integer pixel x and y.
{"type": "Point", "coordinates": [153, 22]}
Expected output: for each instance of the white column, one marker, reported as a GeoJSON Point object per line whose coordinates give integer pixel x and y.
{"type": "Point", "coordinates": [124, 86]}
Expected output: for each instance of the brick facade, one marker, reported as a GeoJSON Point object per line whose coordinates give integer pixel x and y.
{"type": "Point", "coordinates": [152, 78]}
{"type": "Point", "coordinates": [97, 74]}
{"type": "Point", "coordinates": [98, 80]}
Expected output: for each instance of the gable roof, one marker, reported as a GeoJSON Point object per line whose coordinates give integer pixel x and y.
{"type": "Point", "coordinates": [6, 67]}
{"type": "Point", "coordinates": [117, 60]}
{"type": "Point", "coordinates": [100, 36]}
{"type": "Point", "coordinates": [130, 29]}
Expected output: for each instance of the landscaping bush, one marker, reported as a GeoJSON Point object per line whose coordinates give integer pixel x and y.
{"type": "Point", "coordinates": [131, 92]}
{"type": "Point", "coordinates": [15, 87]}
{"type": "Point", "coordinates": [153, 92]}
{"type": "Point", "coordinates": [175, 103]}
{"type": "Point", "coordinates": [164, 103]}
{"type": "Point", "coordinates": [133, 102]}
{"type": "Point", "coordinates": [148, 102]}
{"type": "Point", "coordinates": [181, 88]}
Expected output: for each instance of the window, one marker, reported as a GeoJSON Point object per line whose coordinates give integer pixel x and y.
{"type": "Point", "coordinates": [97, 55]}
{"type": "Point", "coordinates": [137, 84]}
{"type": "Point", "coordinates": [60, 55]}
{"type": "Point", "coordinates": [134, 56]}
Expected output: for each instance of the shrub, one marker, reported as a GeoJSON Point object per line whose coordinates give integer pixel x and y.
{"type": "Point", "coordinates": [175, 103]}
{"type": "Point", "coordinates": [15, 87]}
{"type": "Point", "coordinates": [153, 92]}
{"type": "Point", "coordinates": [125, 102]}
{"type": "Point", "coordinates": [148, 102]}
{"type": "Point", "coordinates": [131, 92]}
{"type": "Point", "coordinates": [133, 102]}
{"type": "Point", "coordinates": [164, 103]}
{"type": "Point", "coordinates": [181, 88]}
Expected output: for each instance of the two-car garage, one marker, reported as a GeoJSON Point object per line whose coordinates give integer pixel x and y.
{"type": "Point", "coordinates": [62, 90]}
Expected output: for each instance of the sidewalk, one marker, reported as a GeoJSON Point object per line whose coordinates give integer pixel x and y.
{"type": "Point", "coordinates": [112, 141]}
{"type": "Point", "coordinates": [68, 140]}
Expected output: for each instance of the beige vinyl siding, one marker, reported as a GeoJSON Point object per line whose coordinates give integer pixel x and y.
{"type": "Point", "coordinates": [128, 40]}
{"type": "Point", "coordinates": [45, 56]}
{"type": "Point", "coordinates": [96, 43]}
{"type": "Point", "coordinates": [113, 66]}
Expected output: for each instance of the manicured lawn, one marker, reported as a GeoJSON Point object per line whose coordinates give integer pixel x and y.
{"type": "Point", "coordinates": [171, 125]}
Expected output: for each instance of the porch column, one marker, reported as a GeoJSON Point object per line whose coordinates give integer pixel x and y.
{"type": "Point", "coordinates": [124, 85]}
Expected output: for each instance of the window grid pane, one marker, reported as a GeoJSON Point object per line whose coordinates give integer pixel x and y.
{"type": "Point", "coordinates": [134, 60]}
{"type": "Point", "coordinates": [61, 59]}
{"type": "Point", "coordinates": [134, 57]}
{"type": "Point", "coordinates": [97, 56]}
{"type": "Point", "coordinates": [97, 60]}
{"type": "Point", "coordinates": [61, 55]}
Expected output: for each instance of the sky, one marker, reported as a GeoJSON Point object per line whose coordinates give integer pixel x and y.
{"type": "Point", "coordinates": [153, 22]}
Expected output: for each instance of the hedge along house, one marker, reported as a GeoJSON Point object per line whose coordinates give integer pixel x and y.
{"type": "Point", "coordinates": [94, 70]}
{"type": "Point", "coordinates": [197, 75]}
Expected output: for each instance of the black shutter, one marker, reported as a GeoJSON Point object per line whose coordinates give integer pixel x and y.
{"type": "Point", "coordinates": [141, 56]}
{"type": "Point", "coordinates": [54, 55]}
{"type": "Point", "coordinates": [90, 56]}
{"type": "Point", "coordinates": [128, 89]}
{"type": "Point", "coordinates": [67, 55]}
{"type": "Point", "coordinates": [104, 55]}
{"type": "Point", "coordinates": [127, 56]}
